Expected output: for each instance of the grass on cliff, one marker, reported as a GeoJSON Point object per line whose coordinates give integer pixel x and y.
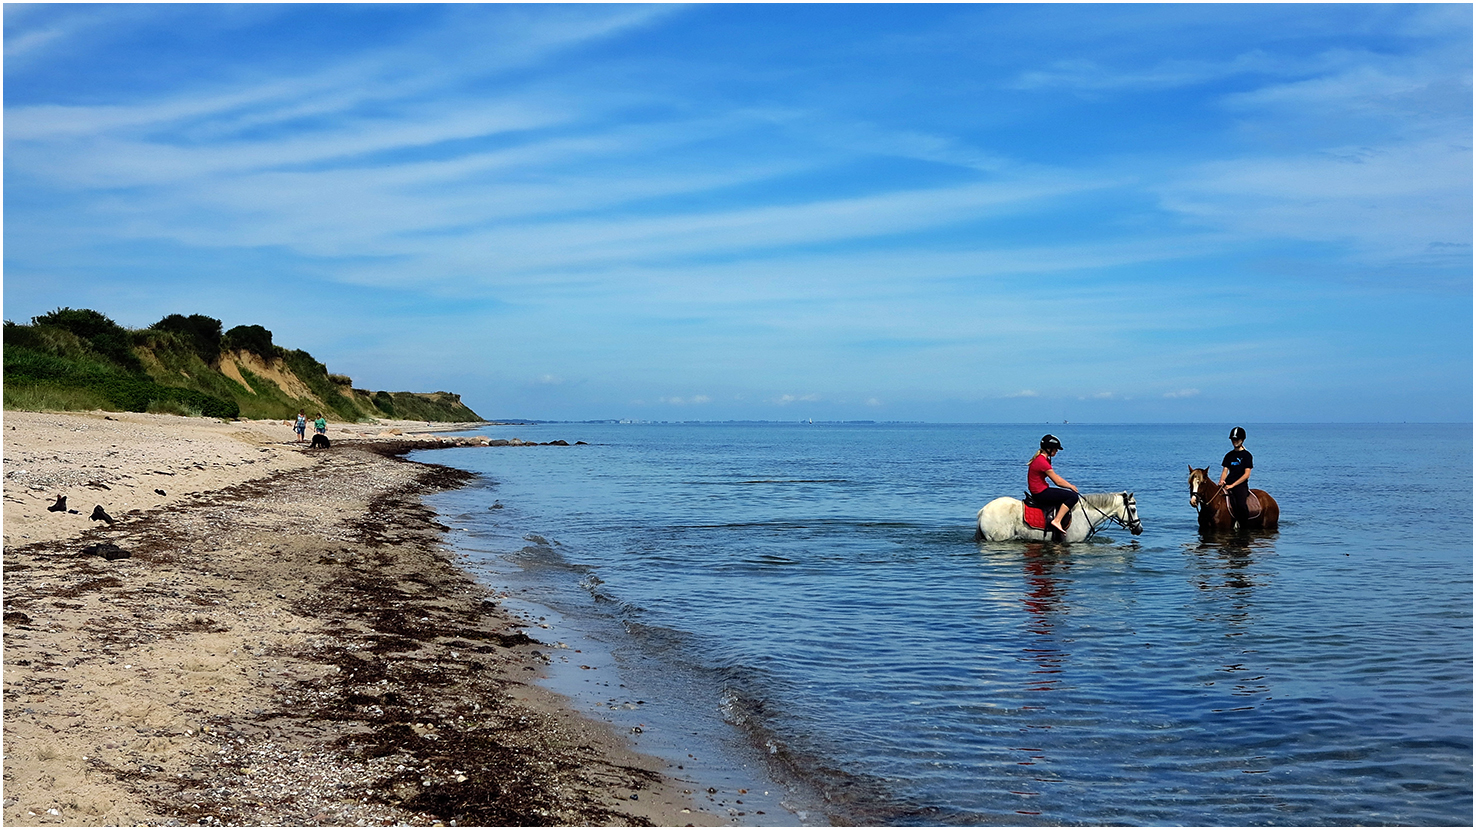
{"type": "Point", "coordinates": [77, 362]}
{"type": "Point", "coordinates": [79, 359]}
{"type": "Point", "coordinates": [436, 406]}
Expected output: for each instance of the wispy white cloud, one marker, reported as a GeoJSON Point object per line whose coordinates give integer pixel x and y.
{"type": "Point", "coordinates": [786, 400]}
{"type": "Point", "coordinates": [1384, 203]}
{"type": "Point", "coordinates": [1089, 74]}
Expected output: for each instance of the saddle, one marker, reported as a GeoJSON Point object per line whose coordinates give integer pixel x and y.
{"type": "Point", "coordinates": [1039, 518]}
{"type": "Point", "coordinates": [1252, 507]}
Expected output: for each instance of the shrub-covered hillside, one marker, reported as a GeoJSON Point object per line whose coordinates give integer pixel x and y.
{"type": "Point", "coordinates": [80, 359]}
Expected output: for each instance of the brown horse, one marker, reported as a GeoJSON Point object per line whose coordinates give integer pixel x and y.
{"type": "Point", "coordinates": [1213, 504]}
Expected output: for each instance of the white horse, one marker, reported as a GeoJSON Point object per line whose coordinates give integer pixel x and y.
{"type": "Point", "coordinates": [1004, 518]}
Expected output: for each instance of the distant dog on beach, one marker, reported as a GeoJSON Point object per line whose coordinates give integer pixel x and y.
{"type": "Point", "coordinates": [321, 442]}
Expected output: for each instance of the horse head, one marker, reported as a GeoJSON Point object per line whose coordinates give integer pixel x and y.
{"type": "Point", "coordinates": [1198, 482]}
{"type": "Point", "coordinates": [1130, 507]}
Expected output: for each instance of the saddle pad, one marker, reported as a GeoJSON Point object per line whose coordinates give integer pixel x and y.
{"type": "Point", "coordinates": [1035, 518]}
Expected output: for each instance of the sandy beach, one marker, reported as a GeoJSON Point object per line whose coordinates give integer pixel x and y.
{"type": "Point", "coordinates": [261, 633]}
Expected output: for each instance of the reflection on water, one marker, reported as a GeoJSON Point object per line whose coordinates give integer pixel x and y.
{"type": "Point", "coordinates": [1045, 590]}
{"type": "Point", "coordinates": [1226, 568]}
{"type": "Point", "coordinates": [1046, 576]}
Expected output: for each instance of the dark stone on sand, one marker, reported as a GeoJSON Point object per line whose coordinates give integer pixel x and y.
{"type": "Point", "coordinates": [17, 618]}
{"type": "Point", "coordinates": [60, 506]}
{"type": "Point", "coordinates": [160, 492]}
{"type": "Point", "coordinates": [106, 550]}
{"type": "Point", "coordinates": [101, 515]}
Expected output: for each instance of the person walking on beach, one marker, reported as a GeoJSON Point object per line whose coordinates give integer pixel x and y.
{"type": "Point", "coordinates": [1038, 477]}
{"type": "Point", "coordinates": [320, 426]}
{"type": "Point", "coordinates": [1236, 468]}
{"type": "Point", "coordinates": [301, 427]}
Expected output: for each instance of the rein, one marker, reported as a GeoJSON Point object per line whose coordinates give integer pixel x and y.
{"type": "Point", "coordinates": [1219, 491]}
{"type": "Point", "coordinates": [1093, 525]}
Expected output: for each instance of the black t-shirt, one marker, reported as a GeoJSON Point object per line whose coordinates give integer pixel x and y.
{"type": "Point", "coordinates": [1237, 462]}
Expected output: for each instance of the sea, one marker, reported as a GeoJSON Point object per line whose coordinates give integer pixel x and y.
{"type": "Point", "coordinates": [798, 619]}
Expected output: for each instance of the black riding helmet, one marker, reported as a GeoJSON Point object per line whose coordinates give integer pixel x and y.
{"type": "Point", "coordinates": [1237, 434]}
{"type": "Point", "coordinates": [1050, 442]}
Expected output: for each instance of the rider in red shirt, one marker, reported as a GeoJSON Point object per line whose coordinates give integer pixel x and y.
{"type": "Point", "coordinates": [1041, 492]}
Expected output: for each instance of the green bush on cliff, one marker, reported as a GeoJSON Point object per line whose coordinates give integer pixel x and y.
{"type": "Point", "coordinates": [104, 336]}
{"type": "Point", "coordinates": [385, 402]}
{"type": "Point", "coordinates": [201, 332]}
{"type": "Point", "coordinates": [254, 339]}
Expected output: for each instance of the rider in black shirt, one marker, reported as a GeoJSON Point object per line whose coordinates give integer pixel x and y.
{"type": "Point", "coordinates": [1235, 472]}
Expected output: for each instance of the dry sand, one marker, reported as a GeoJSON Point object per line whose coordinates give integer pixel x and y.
{"type": "Point", "coordinates": [287, 643]}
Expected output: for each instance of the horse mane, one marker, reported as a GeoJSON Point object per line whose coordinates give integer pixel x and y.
{"type": "Point", "coordinates": [1101, 501]}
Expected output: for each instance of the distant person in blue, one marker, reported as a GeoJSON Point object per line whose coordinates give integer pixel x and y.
{"type": "Point", "coordinates": [1235, 473]}
{"type": "Point", "coordinates": [301, 426]}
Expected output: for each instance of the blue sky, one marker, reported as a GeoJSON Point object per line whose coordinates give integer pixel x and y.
{"type": "Point", "coordinates": [1219, 213]}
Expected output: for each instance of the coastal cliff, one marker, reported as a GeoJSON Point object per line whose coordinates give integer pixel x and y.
{"type": "Point", "coordinates": [79, 359]}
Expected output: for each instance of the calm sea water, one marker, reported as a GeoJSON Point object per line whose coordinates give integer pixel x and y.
{"type": "Point", "coordinates": [802, 612]}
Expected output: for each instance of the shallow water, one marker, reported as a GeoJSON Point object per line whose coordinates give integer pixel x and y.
{"type": "Point", "coordinates": [806, 605]}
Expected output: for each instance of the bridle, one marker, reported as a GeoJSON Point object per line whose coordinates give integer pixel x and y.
{"type": "Point", "coordinates": [1124, 524]}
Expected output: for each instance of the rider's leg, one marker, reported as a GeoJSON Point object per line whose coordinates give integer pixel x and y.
{"type": "Point", "coordinates": [1066, 499]}
{"type": "Point", "coordinates": [1238, 510]}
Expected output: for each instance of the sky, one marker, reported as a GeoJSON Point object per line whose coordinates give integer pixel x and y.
{"type": "Point", "coordinates": [951, 213]}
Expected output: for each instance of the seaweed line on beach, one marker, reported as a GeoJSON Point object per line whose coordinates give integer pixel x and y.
{"type": "Point", "coordinates": [303, 651]}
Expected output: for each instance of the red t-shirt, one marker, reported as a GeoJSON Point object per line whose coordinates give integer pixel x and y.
{"type": "Point", "coordinates": [1035, 477]}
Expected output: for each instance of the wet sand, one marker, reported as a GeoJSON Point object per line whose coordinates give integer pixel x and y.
{"type": "Point", "coordinates": [286, 642]}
